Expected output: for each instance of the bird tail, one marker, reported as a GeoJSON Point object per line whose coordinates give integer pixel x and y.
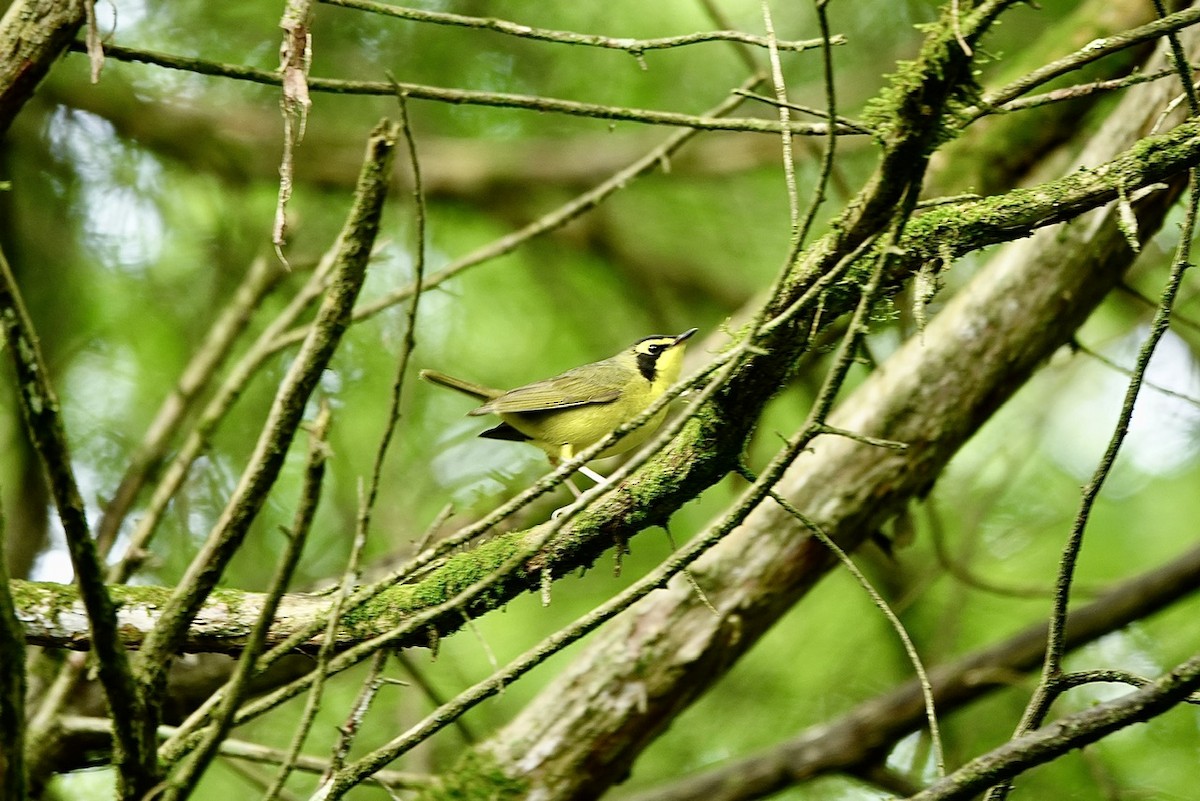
{"type": "Point", "coordinates": [477, 391]}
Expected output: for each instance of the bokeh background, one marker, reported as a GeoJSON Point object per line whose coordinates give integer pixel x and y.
{"type": "Point", "coordinates": [138, 204]}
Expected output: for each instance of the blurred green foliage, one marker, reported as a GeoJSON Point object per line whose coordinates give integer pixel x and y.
{"type": "Point", "coordinates": [125, 250]}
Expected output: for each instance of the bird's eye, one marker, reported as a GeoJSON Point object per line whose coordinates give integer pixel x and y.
{"type": "Point", "coordinates": [655, 349]}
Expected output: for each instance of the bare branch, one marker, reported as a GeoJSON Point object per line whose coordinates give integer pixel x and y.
{"type": "Point", "coordinates": [632, 46]}
{"type": "Point", "coordinates": [286, 412]}
{"type": "Point", "coordinates": [1091, 52]}
{"type": "Point", "coordinates": [43, 421]}
{"type": "Point", "coordinates": [1066, 734]}
{"type": "Point", "coordinates": [471, 97]}
{"type": "Point", "coordinates": [873, 727]}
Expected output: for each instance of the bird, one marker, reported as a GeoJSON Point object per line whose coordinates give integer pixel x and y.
{"type": "Point", "coordinates": [567, 413]}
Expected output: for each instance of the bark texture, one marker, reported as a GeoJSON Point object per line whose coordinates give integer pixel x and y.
{"type": "Point", "coordinates": [584, 730]}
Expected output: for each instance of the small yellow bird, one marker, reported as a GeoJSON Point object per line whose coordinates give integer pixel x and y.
{"type": "Point", "coordinates": [565, 414]}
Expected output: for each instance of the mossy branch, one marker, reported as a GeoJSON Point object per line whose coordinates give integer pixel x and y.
{"type": "Point", "coordinates": [286, 412]}
{"type": "Point", "coordinates": [699, 456]}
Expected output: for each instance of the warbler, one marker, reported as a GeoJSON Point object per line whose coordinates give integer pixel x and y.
{"type": "Point", "coordinates": [565, 414]}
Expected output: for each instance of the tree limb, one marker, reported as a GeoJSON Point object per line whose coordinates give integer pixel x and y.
{"type": "Point", "coordinates": [33, 34]}
{"type": "Point", "coordinates": [932, 394]}
{"type": "Point", "coordinates": [867, 732]}
{"type": "Point", "coordinates": [41, 413]}
{"type": "Point", "coordinates": [1066, 734]}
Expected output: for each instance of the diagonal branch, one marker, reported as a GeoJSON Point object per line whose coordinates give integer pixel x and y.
{"type": "Point", "coordinates": [1066, 734]}
{"type": "Point", "coordinates": [473, 97]}
{"type": "Point", "coordinates": [863, 734]}
{"type": "Point", "coordinates": [43, 421]}
{"type": "Point", "coordinates": [286, 412]}
{"type": "Point", "coordinates": [634, 46]}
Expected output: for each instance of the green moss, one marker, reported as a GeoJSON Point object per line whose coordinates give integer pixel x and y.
{"type": "Point", "coordinates": [914, 91]}
{"type": "Point", "coordinates": [476, 777]}
{"type": "Point", "coordinates": [459, 572]}
{"type": "Point", "coordinates": [230, 598]}
{"type": "Point", "coordinates": [26, 594]}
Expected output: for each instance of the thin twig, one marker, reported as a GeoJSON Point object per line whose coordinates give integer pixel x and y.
{"type": "Point", "coordinates": [1113, 676]}
{"type": "Point", "coordinates": [1180, 63]}
{"type": "Point", "coordinates": [471, 97]}
{"type": "Point", "coordinates": [688, 575]}
{"type": "Point", "coordinates": [183, 782]}
{"type": "Point", "coordinates": [789, 163]}
{"type": "Point", "coordinates": [1079, 90]}
{"type": "Point", "coordinates": [410, 329]}
{"type": "Point", "coordinates": [633, 46]}
{"type": "Point", "coordinates": [845, 122]}
{"type": "Point", "coordinates": [893, 619]}
{"type": "Point", "coordinates": [827, 157]}
{"type": "Point", "coordinates": [321, 670]}
{"type": "Point", "coordinates": [877, 442]}
{"type": "Point", "coordinates": [1090, 52]}
{"type": "Point", "coordinates": [358, 711]}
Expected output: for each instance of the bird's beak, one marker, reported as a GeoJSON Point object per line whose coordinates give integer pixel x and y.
{"type": "Point", "coordinates": [679, 339]}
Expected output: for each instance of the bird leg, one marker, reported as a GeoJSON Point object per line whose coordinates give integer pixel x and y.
{"type": "Point", "coordinates": [587, 471]}
{"type": "Point", "coordinates": [592, 474]}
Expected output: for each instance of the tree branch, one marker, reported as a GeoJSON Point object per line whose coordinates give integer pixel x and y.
{"type": "Point", "coordinates": [867, 732]}
{"type": "Point", "coordinates": [40, 411]}
{"type": "Point", "coordinates": [1066, 734]}
{"type": "Point", "coordinates": [932, 394]}
{"type": "Point", "coordinates": [333, 316]}
{"type": "Point", "coordinates": [33, 34]}
{"type": "Point", "coordinates": [467, 96]}
{"type": "Point", "coordinates": [633, 46]}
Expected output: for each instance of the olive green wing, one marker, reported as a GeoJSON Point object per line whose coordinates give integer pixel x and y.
{"type": "Point", "coordinates": [601, 382]}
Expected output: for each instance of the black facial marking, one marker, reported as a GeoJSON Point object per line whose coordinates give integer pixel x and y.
{"type": "Point", "coordinates": [648, 364]}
